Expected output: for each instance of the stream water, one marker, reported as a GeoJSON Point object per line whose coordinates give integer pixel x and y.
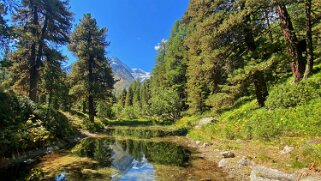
{"type": "Point", "coordinates": [118, 159]}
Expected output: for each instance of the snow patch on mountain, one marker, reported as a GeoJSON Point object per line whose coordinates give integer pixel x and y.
{"type": "Point", "coordinates": [140, 74]}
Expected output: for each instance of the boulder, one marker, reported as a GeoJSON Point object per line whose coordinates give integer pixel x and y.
{"type": "Point", "coordinates": [228, 154]}
{"type": "Point", "coordinates": [259, 173]}
{"type": "Point", "coordinates": [205, 121]}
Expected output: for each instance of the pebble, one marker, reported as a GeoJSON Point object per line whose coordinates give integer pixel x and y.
{"type": "Point", "coordinates": [205, 145]}
{"type": "Point", "coordinates": [244, 161]}
{"type": "Point", "coordinates": [287, 149]}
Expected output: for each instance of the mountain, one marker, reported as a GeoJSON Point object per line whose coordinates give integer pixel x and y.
{"type": "Point", "coordinates": [122, 73]}
{"type": "Point", "coordinates": [126, 75]}
{"type": "Point", "coordinates": [140, 74]}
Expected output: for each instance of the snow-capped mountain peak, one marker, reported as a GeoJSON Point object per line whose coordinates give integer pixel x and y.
{"type": "Point", "coordinates": [140, 74]}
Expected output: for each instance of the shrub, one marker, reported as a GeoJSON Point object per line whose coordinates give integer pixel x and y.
{"type": "Point", "coordinates": [287, 95]}
{"type": "Point", "coordinates": [219, 101]}
{"type": "Point", "coordinates": [55, 122]}
{"type": "Point", "coordinates": [166, 105]}
{"type": "Point", "coordinates": [14, 109]}
{"type": "Point", "coordinates": [104, 110]}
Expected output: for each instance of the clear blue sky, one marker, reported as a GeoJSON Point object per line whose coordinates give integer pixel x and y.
{"type": "Point", "coordinates": [134, 26]}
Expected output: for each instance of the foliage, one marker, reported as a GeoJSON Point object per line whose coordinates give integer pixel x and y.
{"type": "Point", "coordinates": [166, 104]}
{"type": "Point", "coordinates": [104, 109]}
{"type": "Point", "coordinates": [26, 126]}
{"type": "Point", "coordinates": [292, 95]}
{"type": "Point", "coordinates": [92, 76]}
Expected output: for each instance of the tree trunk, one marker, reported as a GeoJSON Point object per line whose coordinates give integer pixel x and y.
{"type": "Point", "coordinates": [33, 72]}
{"type": "Point", "coordinates": [258, 78]}
{"type": "Point", "coordinates": [91, 106]}
{"type": "Point", "coordinates": [41, 43]}
{"type": "Point", "coordinates": [268, 25]}
{"type": "Point", "coordinates": [84, 106]}
{"type": "Point", "coordinates": [261, 90]}
{"type": "Point", "coordinates": [310, 54]}
{"type": "Point", "coordinates": [298, 63]}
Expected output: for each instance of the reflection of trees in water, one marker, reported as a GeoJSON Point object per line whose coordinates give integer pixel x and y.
{"type": "Point", "coordinates": [103, 150]}
{"type": "Point", "coordinates": [98, 149]}
{"type": "Point", "coordinates": [161, 153]}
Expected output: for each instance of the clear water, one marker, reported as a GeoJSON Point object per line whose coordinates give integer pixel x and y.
{"type": "Point", "coordinates": [115, 159]}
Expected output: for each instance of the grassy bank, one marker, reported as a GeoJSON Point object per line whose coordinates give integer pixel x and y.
{"type": "Point", "coordinates": [292, 116]}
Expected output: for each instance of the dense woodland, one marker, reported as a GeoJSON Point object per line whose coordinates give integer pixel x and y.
{"type": "Point", "coordinates": [221, 51]}
{"type": "Point", "coordinates": [221, 55]}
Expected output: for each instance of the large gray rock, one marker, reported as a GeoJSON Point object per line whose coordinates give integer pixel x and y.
{"type": "Point", "coordinates": [228, 154]}
{"type": "Point", "coordinates": [261, 173]}
{"type": "Point", "coordinates": [205, 121]}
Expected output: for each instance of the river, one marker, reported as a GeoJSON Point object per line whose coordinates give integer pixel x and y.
{"type": "Point", "coordinates": [119, 158]}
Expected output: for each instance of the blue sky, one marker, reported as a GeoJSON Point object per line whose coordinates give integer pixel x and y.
{"type": "Point", "coordinates": [135, 27]}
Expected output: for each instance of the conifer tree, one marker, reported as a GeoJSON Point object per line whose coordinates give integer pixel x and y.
{"type": "Point", "coordinates": [88, 43]}
{"type": "Point", "coordinates": [40, 24]}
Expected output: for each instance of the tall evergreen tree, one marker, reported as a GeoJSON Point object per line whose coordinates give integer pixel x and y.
{"type": "Point", "coordinates": [88, 43]}
{"type": "Point", "coordinates": [40, 24]}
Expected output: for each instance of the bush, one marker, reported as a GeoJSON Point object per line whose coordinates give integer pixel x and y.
{"type": "Point", "coordinates": [219, 101]}
{"type": "Point", "coordinates": [299, 121]}
{"type": "Point", "coordinates": [56, 123]}
{"type": "Point", "coordinates": [166, 105]}
{"type": "Point", "coordinates": [95, 126]}
{"type": "Point", "coordinates": [104, 110]}
{"type": "Point", "coordinates": [14, 109]}
{"type": "Point", "coordinates": [287, 95]}
{"type": "Point", "coordinates": [24, 126]}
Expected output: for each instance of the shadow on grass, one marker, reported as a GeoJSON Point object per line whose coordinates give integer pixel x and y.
{"type": "Point", "coordinates": [77, 113]}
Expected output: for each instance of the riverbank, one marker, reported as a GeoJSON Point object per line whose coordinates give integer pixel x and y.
{"type": "Point", "coordinates": [253, 160]}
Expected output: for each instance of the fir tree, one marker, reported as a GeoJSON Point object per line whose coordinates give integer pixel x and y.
{"type": "Point", "coordinates": [95, 79]}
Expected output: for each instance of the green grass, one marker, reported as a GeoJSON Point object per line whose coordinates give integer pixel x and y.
{"type": "Point", "coordinates": [296, 112]}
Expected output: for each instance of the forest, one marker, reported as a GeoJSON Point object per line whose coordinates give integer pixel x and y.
{"type": "Point", "coordinates": [254, 66]}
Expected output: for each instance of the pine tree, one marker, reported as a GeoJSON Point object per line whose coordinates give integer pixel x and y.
{"type": "Point", "coordinates": [88, 43]}
{"type": "Point", "coordinates": [122, 98]}
{"type": "Point", "coordinates": [129, 97]}
{"type": "Point", "coordinates": [52, 82]}
{"type": "Point", "coordinates": [40, 24]}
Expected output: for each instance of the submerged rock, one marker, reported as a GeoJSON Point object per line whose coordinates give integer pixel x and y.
{"type": "Point", "coordinates": [228, 154]}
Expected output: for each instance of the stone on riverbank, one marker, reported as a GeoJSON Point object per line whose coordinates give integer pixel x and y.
{"type": "Point", "coordinates": [228, 154]}
{"type": "Point", "coordinates": [222, 163]}
{"type": "Point", "coordinates": [205, 121]}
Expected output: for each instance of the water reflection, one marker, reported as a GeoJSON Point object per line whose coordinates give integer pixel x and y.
{"type": "Point", "coordinates": [131, 159]}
